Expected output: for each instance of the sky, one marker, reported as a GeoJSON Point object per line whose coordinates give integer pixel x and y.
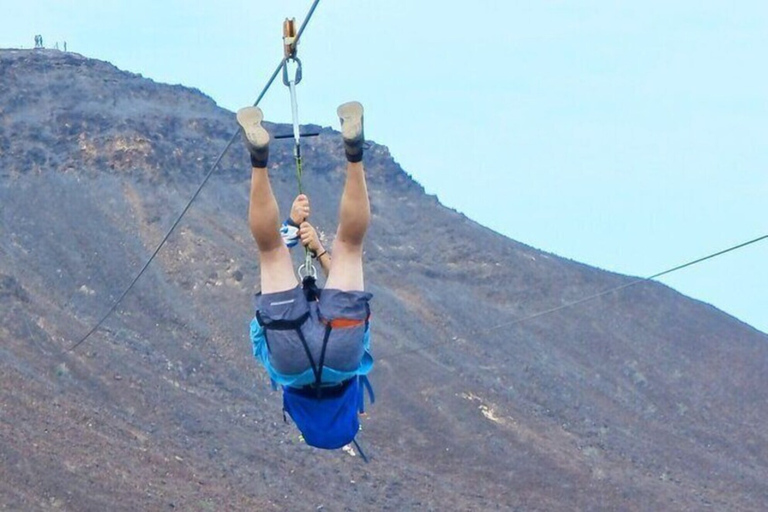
{"type": "Point", "coordinates": [631, 136]}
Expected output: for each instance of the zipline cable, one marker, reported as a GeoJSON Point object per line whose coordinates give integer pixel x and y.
{"type": "Point", "coordinates": [197, 192]}
{"type": "Point", "coordinates": [627, 285]}
{"type": "Point", "coordinates": [588, 298]}
{"type": "Point", "coordinates": [159, 246]}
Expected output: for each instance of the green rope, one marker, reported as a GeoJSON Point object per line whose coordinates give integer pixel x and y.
{"type": "Point", "coordinates": [299, 170]}
{"type": "Point", "coordinates": [299, 173]}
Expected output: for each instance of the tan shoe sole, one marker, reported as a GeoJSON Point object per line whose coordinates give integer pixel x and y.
{"type": "Point", "coordinates": [351, 116]}
{"type": "Point", "coordinates": [250, 118]}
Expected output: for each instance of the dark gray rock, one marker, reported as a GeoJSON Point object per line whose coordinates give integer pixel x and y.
{"type": "Point", "coordinates": [640, 400]}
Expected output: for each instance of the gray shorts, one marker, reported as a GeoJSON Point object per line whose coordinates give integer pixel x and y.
{"type": "Point", "coordinates": [346, 312]}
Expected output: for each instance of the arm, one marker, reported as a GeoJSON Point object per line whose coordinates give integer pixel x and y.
{"type": "Point", "coordinates": [289, 230]}
{"type": "Point", "coordinates": [310, 240]}
{"type": "Point", "coordinates": [300, 209]}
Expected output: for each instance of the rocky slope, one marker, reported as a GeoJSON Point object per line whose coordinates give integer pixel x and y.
{"type": "Point", "coordinates": [641, 400]}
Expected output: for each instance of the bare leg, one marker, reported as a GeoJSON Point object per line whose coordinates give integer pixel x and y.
{"type": "Point", "coordinates": [263, 214]}
{"type": "Point", "coordinates": [354, 216]}
{"type": "Point", "coordinates": [346, 272]}
{"type": "Point", "coordinates": [264, 218]}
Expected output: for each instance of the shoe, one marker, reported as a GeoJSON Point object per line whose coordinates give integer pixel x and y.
{"type": "Point", "coordinates": [351, 116]}
{"type": "Point", "coordinates": [256, 137]}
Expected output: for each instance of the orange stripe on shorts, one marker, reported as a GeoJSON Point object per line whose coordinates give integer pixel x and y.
{"type": "Point", "coordinates": [342, 323]}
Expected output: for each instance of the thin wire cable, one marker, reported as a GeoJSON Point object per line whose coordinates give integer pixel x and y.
{"type": "Point", "coordinates": [194, 196]}
{"type": "Point", "coordinates": [586, 299]}
{"type": "Point", "coordinates": [160, 245]}
{"type": "Point", "coordinates": [306, 20]}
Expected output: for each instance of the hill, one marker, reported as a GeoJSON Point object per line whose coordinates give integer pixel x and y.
{"type": "Point", "coordinates": [643, 399]}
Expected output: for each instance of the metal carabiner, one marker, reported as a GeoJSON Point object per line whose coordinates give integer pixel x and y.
{"type": "Point", "coordinates": [307, 266]}
{"type": "Point", "coordinates": [297, 73]}
{"type": "Point", "coordinates": [310, 270]}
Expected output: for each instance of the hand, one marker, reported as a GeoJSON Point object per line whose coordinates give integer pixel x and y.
{"type": "Point", "coordinates": [309, 238]}
{"type": "Point", "coordinates": [300, 209]}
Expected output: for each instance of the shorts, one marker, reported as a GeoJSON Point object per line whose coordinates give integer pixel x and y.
{"type": "Point", "coordinates": [283, 354]}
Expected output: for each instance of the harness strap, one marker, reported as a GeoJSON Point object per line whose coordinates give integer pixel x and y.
{"type": "Point", "coordinates": [282, 325]}
{"type": "Point", "coordinates": [367, 387]}
{"type": "Point", "coordinates": [309, 286]}
{"type": "Point", "coordinates": [360, 451]}
{"type": "Point", "coordinates": [319, 375]}
{"type": "Point", "coordinates": [318, 371]}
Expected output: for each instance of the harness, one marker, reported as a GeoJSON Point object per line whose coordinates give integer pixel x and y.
{"type": "Point", "coordinates": [319, 390]}
{"type": "Point", "coordinates": [312, 293]}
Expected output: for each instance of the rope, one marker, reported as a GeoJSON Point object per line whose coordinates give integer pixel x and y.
{"type": "Point", "coordinates": [588, 298]}
{"type": "Point", "coordinates": [160, 245]}
{"type": "Point", "coordinates": [299, 173]}
{"type": "Point", "coordinates": [307, 267]}
{"type": "Point", "coordinates": [197, 192]}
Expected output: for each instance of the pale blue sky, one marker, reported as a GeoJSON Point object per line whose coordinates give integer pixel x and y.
{"type": "Point", "coordinates": [629, 136]}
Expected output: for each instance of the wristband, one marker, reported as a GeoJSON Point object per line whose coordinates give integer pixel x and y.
{"type": "Point", "coordinates": [289, 233]}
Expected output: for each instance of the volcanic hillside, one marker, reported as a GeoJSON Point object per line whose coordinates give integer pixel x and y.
{"type": "Point", "coordinates": [643, 399]}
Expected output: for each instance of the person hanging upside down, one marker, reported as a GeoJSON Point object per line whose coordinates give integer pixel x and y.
{"type": "Point", "coordinates": [316, 348]}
